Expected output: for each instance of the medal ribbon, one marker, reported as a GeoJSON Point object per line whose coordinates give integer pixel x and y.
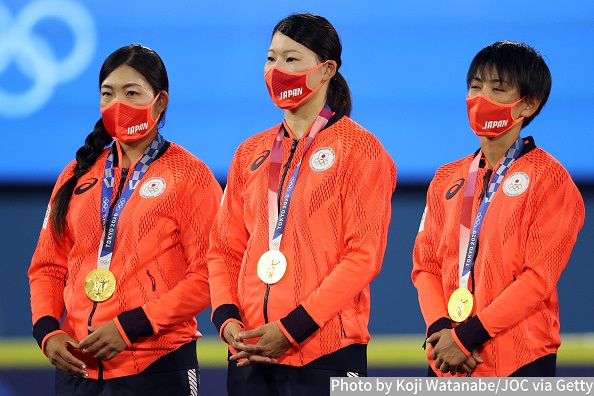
{"type": "Point", "coordinates": [109, 228]}
{"type": "Point", "coordinates": [277, 218]}
{"type": "Point", "coordinates": [469, 237]}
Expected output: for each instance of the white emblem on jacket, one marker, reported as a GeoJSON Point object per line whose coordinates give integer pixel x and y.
{"type": "Point", "coordinates": [322, 159]}
{"type": "Point", "coordinates": [516, 184]}
{"type": "Point", "coordinates": [152, 188]}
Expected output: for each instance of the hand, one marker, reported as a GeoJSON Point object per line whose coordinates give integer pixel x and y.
{"type": "Point", "coordinates": [468, 366]}
{"type": "Point", "coordinates": [272, 344]}
{"type": "Point", "coordinates": [231, 332]}
{"type": "Point", "coordinates": [57, 350]}
{"type": "Point", "coordinates": [104, 342]}
{"type": "Point", "coordinates": [446, 353]}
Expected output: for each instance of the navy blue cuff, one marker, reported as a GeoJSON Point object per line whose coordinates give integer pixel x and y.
{"type": "Point", "coordinates": [135, 324]}
{"type": "Point", "coordinates": [299, 324]}
{"type": "Point", "coordinates": [224, 313]}
{"type": "Point", "coordinates": [472, 334]}
{"type": "Point", "coordinates": [437, 326]}
{"type": "Point", "coordinates": [43, 327]}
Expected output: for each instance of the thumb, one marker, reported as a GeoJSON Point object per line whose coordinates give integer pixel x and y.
{"type": "Point", "coordinates": [91, 329]}
{"type": "Point", "coordinates": [475, 355]}
{"type": "Point", "coordinates": [72, 343]}
{"type": "Point", "coordinates": [433, 337]}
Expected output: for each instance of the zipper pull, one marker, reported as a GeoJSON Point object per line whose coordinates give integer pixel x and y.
{"type": "Point", "coordinates": [152, 279]}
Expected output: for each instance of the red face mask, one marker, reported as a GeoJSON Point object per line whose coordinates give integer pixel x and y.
{"type": "Point", "coordinates": [127, 122]}
{"type": "Point", "coordinates": [288, 89]}
{"type": "Point", "coordinates": [489, 118]}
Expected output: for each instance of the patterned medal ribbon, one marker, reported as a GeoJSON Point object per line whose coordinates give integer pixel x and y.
{"type": "Point", "coordinates": [100, 283]}
{"type": "Point", "coordinates": [461, 301]}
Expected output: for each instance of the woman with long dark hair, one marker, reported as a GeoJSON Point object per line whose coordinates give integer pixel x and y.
{"type": "Point", "coordinates": [120, 271]}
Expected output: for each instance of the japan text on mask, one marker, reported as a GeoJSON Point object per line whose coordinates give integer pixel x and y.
{"type": "Point", "coordinates": [127, 122]}
{"type": "Point", "coordinates": [289, 89]}
{"type": "Point", "coordinates": [489, 118]}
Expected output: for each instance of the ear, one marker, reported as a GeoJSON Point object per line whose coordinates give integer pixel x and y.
{"type": "Point", "coordinates": [530, 106]}
{"type": "Point", "coordinates": [162, 101]}
{"type": "Point", "coordinates": [330, 70]}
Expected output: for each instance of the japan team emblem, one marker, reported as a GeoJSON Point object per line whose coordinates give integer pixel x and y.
{"type": "Point", "coordinates": [516, 184]}
{"type": "Point", "coordinates": [322, 159]}
{"type": "Point", "coordinates": [152, 188]}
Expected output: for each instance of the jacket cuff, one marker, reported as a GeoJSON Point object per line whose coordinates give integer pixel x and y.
{"type": "Point", "coordinates": [299, 324]}
{"type": "Point", "coordinates": [122, 332]}
{"type": "Point", "coordinates": [44, 326]}
{"type": "Point", "coordinates": [47, 337]}
{"type": "Point", "coordinates": [471, 334]}
{"type": "Point", "coordinates": [437, 326]}
{"type": "Point", "coordinates": [223, 313]}
{"type": "Point", "coordinates": [135, 324]}
{"type": "Point", "coordinates": [286, 333]}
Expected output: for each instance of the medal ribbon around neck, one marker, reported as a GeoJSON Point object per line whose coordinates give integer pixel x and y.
{"type": "Point", "coordinates": [278, 218]}
{"type": "Point", "coordinates": [468, 236]}
{"type": "Point", "coordinates": [273, 263]}
{"type": "Point", "coordinates": [109, 228]}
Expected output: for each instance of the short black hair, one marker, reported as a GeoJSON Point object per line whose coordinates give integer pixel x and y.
{"type": "Point", "coordinates": [519, 64]}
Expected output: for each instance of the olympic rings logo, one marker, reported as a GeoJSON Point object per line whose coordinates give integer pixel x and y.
{"type": "Point", "coordinates": [33, 56]}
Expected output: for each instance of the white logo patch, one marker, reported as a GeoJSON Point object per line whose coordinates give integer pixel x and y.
{"type": "Point", "coordinates": [46, 218]}
{"type": "Point", "coordinates": [322, 159]}
{"type": "Point", "coordinates": [152, 188]}
{"type": "Point", "coordinates": [422, 224]}
{"type": "Point", "coordinates": [516, 184]}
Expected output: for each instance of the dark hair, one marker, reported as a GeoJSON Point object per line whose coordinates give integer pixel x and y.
{"type": "Point", "coordinates": [519, 64]}
{"type": "Point", "coordinates": [318, 35]}
{"type": "Point", "coordinates": [146, 62]}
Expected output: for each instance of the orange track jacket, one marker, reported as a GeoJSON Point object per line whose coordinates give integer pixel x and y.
{"type": "Point", "coordinates": [334, 239]}
{"type": "Point", "coordinates": [525, 242]}
{"type": "Point", "coordinates": [159, 262]}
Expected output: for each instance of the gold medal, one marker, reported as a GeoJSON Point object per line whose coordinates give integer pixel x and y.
{"type": "Point", "coordinates": [460, 304]}
{"type": "Point", "coordinates": [272, 266]}
{"type": "Point", "coordinates": [100, 284]}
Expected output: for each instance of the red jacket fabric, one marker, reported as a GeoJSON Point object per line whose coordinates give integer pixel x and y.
{"type": "Point", "coordinates": [524, 244]}
{"type": "Point", "coordinates": [334, 239]}
{"type": "Point", "coordinates": [159, 261]}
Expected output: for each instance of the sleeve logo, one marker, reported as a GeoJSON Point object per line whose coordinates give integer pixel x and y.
{"type": "Point", "coordinates": [260, 160]}
{"type": "Point", "coordinates": [453, 190]}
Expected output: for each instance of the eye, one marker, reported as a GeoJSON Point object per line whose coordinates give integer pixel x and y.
{"type": "Point", "coordinates": [105, 94]}
{"type": "Point", "coordinates": [131, 93]}
{"type": "Point", "coordinates": [290, 59]}
{"type": "Point", "coordinates": [270, 59]}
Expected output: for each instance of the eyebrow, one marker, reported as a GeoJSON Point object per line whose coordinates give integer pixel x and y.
{"type": "Point", "coordinates": [123, 86]}
{"type": "Point", "coordinates": [491, 81]}
{"type": "Point", "coordinates": [285, 51]}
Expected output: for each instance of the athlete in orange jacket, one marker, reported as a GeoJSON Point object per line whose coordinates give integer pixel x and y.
{"type": "Point", "coordinates": [158, 260]}
{"type": "Point", "coordinates": [333, 212]}
{"type": "Point", "coordinates": [497, 231]}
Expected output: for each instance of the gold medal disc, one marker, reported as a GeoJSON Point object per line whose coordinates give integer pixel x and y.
{"type": "Point", "coordinates": [272, 266]}
{"type": "Point", "coordinates": [100, 284]}
{"type": "Point", "coordinates": [460, 304]}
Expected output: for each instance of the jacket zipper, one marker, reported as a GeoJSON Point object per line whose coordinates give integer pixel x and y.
{"type": "Point", "coordinates": [280, 189]}
{"type": "Point", "coordinates": [95, 304]}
